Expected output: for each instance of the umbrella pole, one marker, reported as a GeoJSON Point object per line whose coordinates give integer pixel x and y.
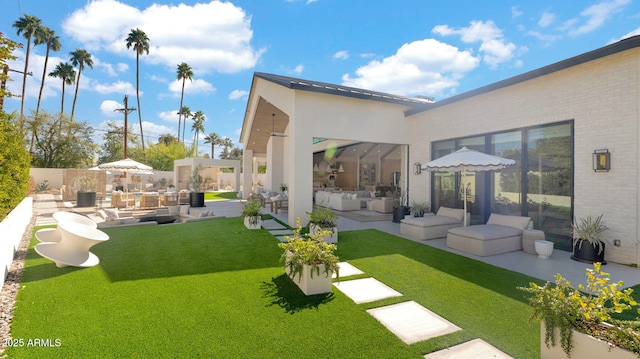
{"type": "Point", "coordinates": [464, 191]}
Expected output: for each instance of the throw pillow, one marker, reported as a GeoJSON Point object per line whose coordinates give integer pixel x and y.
{"type": "Point", "coordinates": [111, 214]}
{"type": "Point", "coordinates": [173, 209]}
{"type": "Point", "coordinates": [516, 222]}
{"type": "Point", "coordinates": [184, 209]}
{"type": "Point", "coordinates": [203, 214]}
{"type": "Point", "coordinates": [102, 214]}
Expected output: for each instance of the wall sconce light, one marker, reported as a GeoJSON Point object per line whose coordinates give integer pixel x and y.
{"type": "Point", "coordinates": [417, 168]}
{"type": "Point", "coordinates": [601, 160]}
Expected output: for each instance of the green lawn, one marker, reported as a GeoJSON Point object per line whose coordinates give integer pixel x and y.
{"type": "Point", "coordinates": [214, 289]}
{"type": "Point", "coordinates": [216, 196]}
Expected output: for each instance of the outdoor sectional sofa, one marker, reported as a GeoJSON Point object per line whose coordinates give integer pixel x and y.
{"type": "Point", "coordinates": [339, 201]}
{"type": "Point", "coordinates": [430, 226]}
{"type": "Point", "coordinates": [501, 234]}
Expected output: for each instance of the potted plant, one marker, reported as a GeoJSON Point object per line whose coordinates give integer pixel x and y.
{"type": "Point", "coordinates": [85, 193]}
{"type": "Point", "coordinates": [402, 209]}
{"type": "Point", "coordinates": [582, 319]}
{"type": "Point", "coordinates": [323, 220]}
{"type": "Point", "coordinates": [196, 197]}
{"type": "Point", "coordinates": [309, 261]}
{"type": "Point", "coordinates": [418, 209]}
{"type": "Point", "coordinates": [251, 214]}
{"type": "Point", "coordinates": [588, 239]}
{"type": "Point", "coordinates": [283, 187]}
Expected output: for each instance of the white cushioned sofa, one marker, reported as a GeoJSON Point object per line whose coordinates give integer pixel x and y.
{"type": "Point", "coordinates": [344, 201]}
{"type": "Point", "coordinates": [430, 226]}
{"type": "Point", "coordinates": [501, 234]}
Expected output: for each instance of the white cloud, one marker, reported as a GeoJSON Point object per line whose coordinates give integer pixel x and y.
{"type": "Point", "coordinates": [341, 55]}
{"type": "Point", "coordinates": [152, 131]}
{"type": "Point", "coordinates": [546, 19]}
{"type": "Point", "coordinates": [594, 16]}
{"type": "Point", "coordinates": [108, 107]}
{"type": "Point", "coordinates": [632, 33]}
{"type": "Point", "coordinates": [210, 36]}
{"type": "Point", "coordinates": [120, 87]}
{"type": "Point", "coordinates": [197, 86]}
{"type": "Point", "coordinates": [298, 69]}
{"type": "Point", "coordinates": [425, 67]}
{"type": "Point", "coordinates": [238, 94]}
{"type": "Point", "coordinates": [515, 12]}
{"type": "Point", "coordinates": [169, 116]}
{"type": "Point", "coordinates": [495, 48]}
{"type": "Point", "coordinates": [122, 67]}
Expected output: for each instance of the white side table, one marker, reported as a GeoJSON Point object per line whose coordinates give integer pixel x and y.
{"type": "Point", "coordinates": [528, 240]}
{"type": "Point", "coordinates": [544, 249]}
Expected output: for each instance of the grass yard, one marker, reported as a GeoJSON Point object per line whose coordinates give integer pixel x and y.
{"type": "Point", "coordinates": [216, 196]}
{"type": "Point", "coordinates": [214, 289]}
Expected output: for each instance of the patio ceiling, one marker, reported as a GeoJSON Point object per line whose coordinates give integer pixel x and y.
{"type": "Point", "coordinates": [366, 151]}
{"type": "Point", "coordinates": [263, 125]}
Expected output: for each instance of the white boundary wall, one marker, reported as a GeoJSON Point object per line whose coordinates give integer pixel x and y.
{"type": "Point", "coordinates": [12, 229]}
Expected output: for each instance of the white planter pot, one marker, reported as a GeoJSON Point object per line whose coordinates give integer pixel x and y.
{"type": "Point", "coordinates": [584, 347]}
{"type": "Point", "coordinates": [330, 238]}
{"type": "Point", "coordinates": [319, 284]}
{"type": "Point", "coordinates": [256, 220]}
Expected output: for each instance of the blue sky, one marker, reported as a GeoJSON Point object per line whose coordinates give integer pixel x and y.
{"type": "Point", "coordinates": [405, 47]}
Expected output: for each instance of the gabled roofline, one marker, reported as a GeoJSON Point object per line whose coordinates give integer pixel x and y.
{"type": "Point", "coordinates": [622, 45]}
{"type": "Point", "coordinates": [339, 90]}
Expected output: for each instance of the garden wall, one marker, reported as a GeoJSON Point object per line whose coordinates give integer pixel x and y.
{"type": "Point", "coordinates": [12, 229]}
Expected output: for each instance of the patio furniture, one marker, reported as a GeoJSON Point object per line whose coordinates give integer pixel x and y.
{"type": "Point", "coordinates": [73, 247]}
{"type": "Point", "coordinates": [149, 200]}
{"type": "Point", "coordinates": [432, 226]}
{"type": "Point", "coordinates": [169, 199]}
{"type": "Point", "coordinates": [183, 197]}
{"type": "Point", "coordinates": [544, 248]}
{"type": "Point", "coordinates": [279, 203]}
{"type": "Point", "coordinates": [529, 237]}
{"type": "Point", "coordinates": [122, 200]}
{"type": "Point", "coordinates": [501, 234]}
{"type": "Point", "coordinates": [62, 216]}
{"type": "Point", "coordinates": [344, 201]}
{"type": "Point", "coordinates": [383, 204]}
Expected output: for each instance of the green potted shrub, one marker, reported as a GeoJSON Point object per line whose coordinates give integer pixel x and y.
{"type": "Point", "coordinates": [322, 219]}
{"type": "Point", "coordinates": [402, 209]}
{"type": "Point", "coordinates": [251, 214]}
{"type": "Point", "coordinates": [578, 316]}
{"type": "Point", "coordinates": [283, 187]}
{"type": "Point", "coordinates": [418, 209]}
{"type": "Point", "coordinates": [588, 239]}
{"type": "Point", "coordinates": [196, 196]}
{"type": "Point", "coordinates": [310, 261]}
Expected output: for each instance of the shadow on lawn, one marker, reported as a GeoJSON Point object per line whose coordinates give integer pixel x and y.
{"type": "Point", "coordinates": [285, 294]}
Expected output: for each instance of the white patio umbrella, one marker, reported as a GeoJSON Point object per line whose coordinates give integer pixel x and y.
{"type": "Point", "coordinates": [128, 166]}
{"type": "Point", "coordinates": [465, 160]}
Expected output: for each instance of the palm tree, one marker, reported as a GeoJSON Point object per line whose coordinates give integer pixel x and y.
{"type": "Point", "coordinates": [184, 72]}
{"type": "Point", "coordinates": [197, 126]}
{"type": "Point", "coordinates": [167, 139]}
{"type": "Point", "coordinates": [140, 42]}
{"type": "Point", "coordinates": [79, 58]}
{"type": "Point", "coordinates": [27, 25]}
{"type": "Point", "coordinates": [67, 73]}
{"type": "Point", "coordinates": [46, 36]}
{"type": "Point", "coordinates": [186, 113]}
{"type": "Point", "coordinates": [214, 139]}
{"type": "Point", "coordinates": [226, 142]}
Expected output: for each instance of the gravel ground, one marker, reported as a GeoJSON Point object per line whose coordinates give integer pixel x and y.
{"type": "Point", "coordinates": [11, 287]}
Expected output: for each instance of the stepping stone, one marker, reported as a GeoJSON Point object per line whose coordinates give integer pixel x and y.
{"type": "Point", "coordinates": [476, 348]}
{"type": "Point", "coordinates": [366, 290]}
{"type": "Point", "coordinates": [281, 239]}
{"type": "Point", "coordinates": [272, 224]}
{"type": "Point", "coordinates": [347, 269]}
{"type": "Point", "coordinates": [412, 322]}
{"type": "Point", "coordinates": [281, 232]}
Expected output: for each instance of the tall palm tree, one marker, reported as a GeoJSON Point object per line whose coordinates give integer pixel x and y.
{"type": "Point", "coordinates": [67, 73]}
{"type": "Point", "coordinates": [27, 26]}
{"type": "Point", "coordinates": [79, 58]}
{"type": "Point", "coordinates": [45, 35]}
{"type": "Point", "coordinates": [226, 142]}
{"type": "Point", "coordinates": [186, 113]}
{"type": "Point", "coordinates": [184, 72]}
{"type": "Point", "coordinates": [197, 127]}
{"type": "Point", "coordinates": [214, 139]}
{"type": "Point", "coordinates": [140, 42]}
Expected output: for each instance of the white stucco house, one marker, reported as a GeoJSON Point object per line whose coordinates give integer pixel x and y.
{"type": "Point", "coordinates": [551, 120]}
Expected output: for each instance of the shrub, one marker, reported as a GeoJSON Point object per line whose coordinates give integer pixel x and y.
{"type": "Point", "coordinates": [14, 165]}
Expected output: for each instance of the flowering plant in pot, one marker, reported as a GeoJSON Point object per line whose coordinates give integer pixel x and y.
{"type": "Point", "coordinates": [593, 309]}
{"type": "Point", "coordinates": [310, 261]}
{"type": "Point", "coordinates": [588, 239]}
{"type": "Point", "coordinates": [322, 219]}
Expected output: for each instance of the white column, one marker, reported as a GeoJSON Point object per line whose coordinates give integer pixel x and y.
{"type": "Point", "coordinates": [247, 175]}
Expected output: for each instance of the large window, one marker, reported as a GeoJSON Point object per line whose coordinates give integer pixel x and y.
{"type": "Point", "coordinates": [539, 186]}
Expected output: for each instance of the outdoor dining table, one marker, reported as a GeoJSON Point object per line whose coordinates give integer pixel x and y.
{"type": "Point", "coordinates": [277, 202]}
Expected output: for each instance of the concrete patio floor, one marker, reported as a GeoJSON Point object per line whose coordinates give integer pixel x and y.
{"type": "Point", "coordinates": [560, 261]}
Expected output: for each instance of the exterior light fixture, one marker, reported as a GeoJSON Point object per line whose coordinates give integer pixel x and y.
{"type": "Point", "coordinates": [601, 160]}
{"type": "Point", "coordinates": [417, 168]}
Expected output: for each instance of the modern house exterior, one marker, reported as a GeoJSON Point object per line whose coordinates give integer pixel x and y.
{"type": "Point", "coordinates": [572, 127]}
